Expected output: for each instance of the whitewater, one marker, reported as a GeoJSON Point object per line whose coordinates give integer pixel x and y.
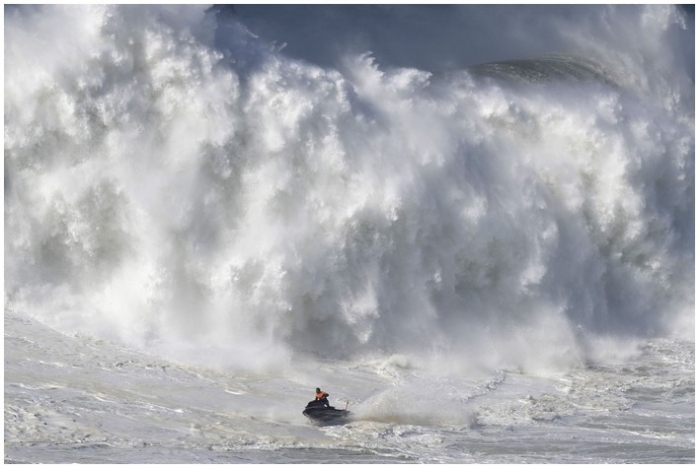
{"type": "Point", "coordinates": [473, 226]}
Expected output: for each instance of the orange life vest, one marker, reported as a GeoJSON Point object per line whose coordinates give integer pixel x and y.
{"type": "Point", "coordinates": [321, 395]}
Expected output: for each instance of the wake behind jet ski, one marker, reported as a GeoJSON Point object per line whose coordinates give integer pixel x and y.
{"type": "Point", "coordinates": [319, 410]}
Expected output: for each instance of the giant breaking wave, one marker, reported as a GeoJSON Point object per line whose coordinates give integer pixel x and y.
{"type": "Point", "coordinates": [217, 200]}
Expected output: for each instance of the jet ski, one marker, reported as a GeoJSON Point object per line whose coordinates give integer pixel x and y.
{"type": "Point", "coordinates": [316, 411]}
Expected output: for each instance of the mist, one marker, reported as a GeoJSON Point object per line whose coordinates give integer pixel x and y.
{"type": "Point", "coordinates": [244, 185]}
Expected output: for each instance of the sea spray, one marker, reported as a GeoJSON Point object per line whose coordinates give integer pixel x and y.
{"type": "Point", "coordinates": [230, 205]}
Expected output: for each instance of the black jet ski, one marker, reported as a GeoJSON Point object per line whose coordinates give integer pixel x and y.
{"type": "Point", "coordinates": [316, 411]}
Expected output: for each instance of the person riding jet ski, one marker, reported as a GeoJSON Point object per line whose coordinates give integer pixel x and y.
{"type": "Point", "coordinates": [322, 396]}
{"type": "Point", "coordinates": [320, 411]}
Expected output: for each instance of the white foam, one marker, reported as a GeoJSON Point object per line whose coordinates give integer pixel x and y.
{"type": "Point", "coordinates": [220, 209]}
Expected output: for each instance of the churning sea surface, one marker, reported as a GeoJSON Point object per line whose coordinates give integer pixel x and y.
{"type": "Point", "coordinates": [73, 399]}
{"type": "Point", "coordinates": [473, 226]}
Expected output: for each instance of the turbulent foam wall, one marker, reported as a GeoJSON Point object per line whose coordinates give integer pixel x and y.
{"type": "Point", "coordinates": [218, 198]}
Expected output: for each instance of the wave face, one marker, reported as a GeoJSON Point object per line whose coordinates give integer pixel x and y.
{"type": "Point", "coordinates": [178, 183]}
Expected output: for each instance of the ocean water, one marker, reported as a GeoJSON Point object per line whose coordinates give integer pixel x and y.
{"type": "Point", "coordinates": [473, 226]}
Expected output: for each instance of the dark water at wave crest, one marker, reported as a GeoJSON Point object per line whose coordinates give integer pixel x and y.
{"type": "Point", "coordinates": [547, 69]}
